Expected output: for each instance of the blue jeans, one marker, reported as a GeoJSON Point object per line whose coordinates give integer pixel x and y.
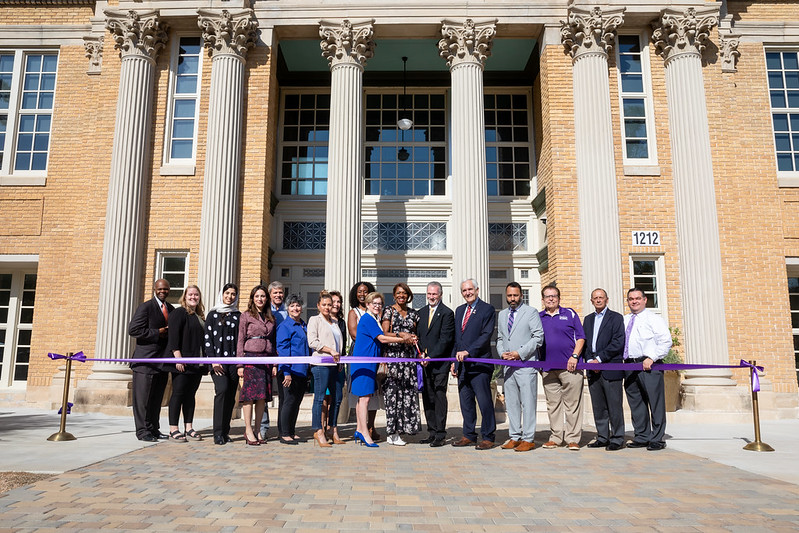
{"type": "Point", "coordinates": [325, 378]}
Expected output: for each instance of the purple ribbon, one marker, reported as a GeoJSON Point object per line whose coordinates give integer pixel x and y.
{"type": "Point", "coordinates": [80, 356]}
{"type": "Point", "coordinates": [755, 377]}
{"type": "Point", "coordinates": [69, 408]}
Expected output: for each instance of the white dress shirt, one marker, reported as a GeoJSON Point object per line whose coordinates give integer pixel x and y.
{"type": "Point", "coordinates": [650, 336]}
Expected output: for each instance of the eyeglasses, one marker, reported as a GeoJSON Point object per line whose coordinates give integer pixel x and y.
{"type": "Point", "coordinates": [551, 297]}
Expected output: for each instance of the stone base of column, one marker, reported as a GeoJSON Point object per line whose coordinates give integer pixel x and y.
{"type": "Point", "coordinates": [107, 390]}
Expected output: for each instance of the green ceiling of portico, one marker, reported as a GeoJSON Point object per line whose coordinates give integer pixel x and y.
{"type": "Point", "coordinates": [508, 55]}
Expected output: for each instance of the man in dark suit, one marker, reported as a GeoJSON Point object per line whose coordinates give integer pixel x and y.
{"type": "Point", "coordinates": [149, 327]}
{"type": "Point", "coordinates": [604, 336]}
{"type": "Point", "coordinates": [474, 325]}
{"type": "Point", "coordinates": [436, 333]}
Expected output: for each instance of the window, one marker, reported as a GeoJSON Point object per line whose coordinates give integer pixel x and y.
{"type": "Point", "coordinates": [181, 136]}
{"type": "Point", "coordinates": [406, 163]}
{"type": "Point", "coordinates": [305, 133]}
{"type": "Point", "coordinates": [635, 100]}
{"type": "Point", "coordinates": [647, 274]}
{"type": "Point", "coordinates": [508, 147]}
{"type": "Point", "coordinates": [793, 295]}
{"type": "Point", "coordinates": [173, 267]}
{"type": "Point", "coordinates": [404, 236]}
{"type": "Point", "coordinates": [304, 235]}
{"type": "Point", "coordinates": [17, 299]}
{"type": "Point", "coordinates": [27, 91]}
{"type": "Point", "coordinates": [783, 83]}
{"type": "Point", "coordinates": [506, 236]}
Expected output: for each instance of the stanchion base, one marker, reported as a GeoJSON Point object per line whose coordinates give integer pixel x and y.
{"type": "Point", "coordinates": [758, 446]}
{"type": "Point", "coordinates": [61, 435]}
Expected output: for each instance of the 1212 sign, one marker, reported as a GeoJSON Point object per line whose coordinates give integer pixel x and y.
{"type": "Point", "coordinates": [646, 238]}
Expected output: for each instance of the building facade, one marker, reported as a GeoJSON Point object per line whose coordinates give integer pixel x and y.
{"type": "Point", "coordinates": [589, 144]}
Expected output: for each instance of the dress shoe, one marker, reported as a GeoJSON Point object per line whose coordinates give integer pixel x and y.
{"type": "Point", "coordinates": [484, 445]}
{"type": "Point", "coordinates": [148, 438]}
{"type": "Point", "coordinates": [463, 442]}
{"type": "Point", "coordinates": [320, 439]}
{"type": "Point", "coordinates": [655, 446]}
{"type": "Point", "coordinates": [612, 447]}
{"type": "Point", "coordinates": [427, 440]}
{"type": "Point", "coordinates": [161, 436]}
{"type": "Point", "coordinates": [437, 443]}
{"type": "Point", "coordinates": [219, 439]}
{"type": "Point", "coordinates": [395, 440]}
{"type": "Point", "coordinates": [636, 444]}
{"type": "Point", "coordinates": [337, 440]}
{"type": "Point", "coordinates": [524, 446]}
{"type": "Point", "coordinates": [597, 444]}
{"type": "Point", "coordinates": [288, 440]}
{"type": "Point", "coordinates": [511, 444]}
{"type": "Point", "coordinates": [573, 446]}
{"type": "Point", "coordinates": [550, 444]}
{"type": "Point", "coordinates": [227, 439]}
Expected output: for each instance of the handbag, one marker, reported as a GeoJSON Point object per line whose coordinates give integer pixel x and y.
{"type": "Point", "coordinates": [382, 369]}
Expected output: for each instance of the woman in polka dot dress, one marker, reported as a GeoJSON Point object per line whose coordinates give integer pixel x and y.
{"type": "Point", "coordinates": [221, 337]}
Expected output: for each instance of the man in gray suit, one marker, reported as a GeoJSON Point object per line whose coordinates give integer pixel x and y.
{"type": "Point", "coordinates": [519, 335]}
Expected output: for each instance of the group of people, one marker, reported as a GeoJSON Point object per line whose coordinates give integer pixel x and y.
{"type": "Point", "coordinates": [272, 325]}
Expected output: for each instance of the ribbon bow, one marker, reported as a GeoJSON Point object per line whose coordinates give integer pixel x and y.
{"type": "Point", "coordinates": [755, 377]}
{"type": "Point", "coordinates": [80, 356]}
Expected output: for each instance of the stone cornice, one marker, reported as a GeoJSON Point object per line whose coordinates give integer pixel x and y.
{"type": "Point", "coordinates": [138, 33]}
{"type": "Point", "coordinates": [466, 42]}
{"type": "Point", "coordinates": [48, 2]}
{"type": "Point", "coordinates": [590, 31]}
{"type": "Point", "coordinates": [347, 43]}
{"type": "Point", "coordinates": [225, 32]}
{"type": "Point", "coordinates": [683, 32]}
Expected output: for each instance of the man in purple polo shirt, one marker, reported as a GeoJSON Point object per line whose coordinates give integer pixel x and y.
{"type": "Point", "coordinates": [563, 385]}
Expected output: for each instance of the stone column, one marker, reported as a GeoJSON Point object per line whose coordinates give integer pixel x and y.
{"type": "Point", "coordinates": [139, 36]}
{"type": "Point", "coordinates": [228, 36]}
{"type": "Point", "coordinates": [588, 36]}
{"type": "Point", "coordinates": [346, 46]}
{"type": "Point", "coordinates": [680, 37]}
{"type": "Point", "coordinates": [465, 47]}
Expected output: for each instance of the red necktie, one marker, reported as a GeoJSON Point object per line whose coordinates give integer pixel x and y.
{"type": "Point", "coordinates": [166, 313]}
{"type": "Point", "coordinates": [466, 317]}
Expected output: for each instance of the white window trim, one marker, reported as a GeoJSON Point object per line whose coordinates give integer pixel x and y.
{"type": "Point", "coordinates": [785, 178]}
{"type": "Point", "coordinates": [660, 278]}
{"type": "Point", "coordinates": [9, 176]}
{"type": "Point", "coordinates": [18, 271]}
{"type": "Point", "coordinates": [183, 166]}
{"type": "Point", "coordinates": [160, 255]}
{"type": "Point", "coordinates": [648, 166]}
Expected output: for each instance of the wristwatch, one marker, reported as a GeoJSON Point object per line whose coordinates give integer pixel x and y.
{"type": "Point", "coordinates": [576, 355]}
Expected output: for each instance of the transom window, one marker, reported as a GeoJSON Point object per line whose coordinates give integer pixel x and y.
{"type": "Point", "coordinates": [508, 149]}
{"type": "Point", "coordinates": [27, 92]}
{"type": "Point", "coordinates": [783, 83]}
{"type": "Point", "coordinates": [635, 99]}
{"type": "Point", "coordinates": [185, 97]}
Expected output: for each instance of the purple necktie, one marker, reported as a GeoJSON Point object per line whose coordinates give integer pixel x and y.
{"type": "Point", "coordinates": [627, 336]}
{"type": "Point", "coordinates": [510, 319]}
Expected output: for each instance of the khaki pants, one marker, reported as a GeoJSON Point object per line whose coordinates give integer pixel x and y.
{"type": "Point", "coordinates": [564, 393]}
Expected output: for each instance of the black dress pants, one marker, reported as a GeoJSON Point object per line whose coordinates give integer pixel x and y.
{"type": "Point", "coordinates": [434, 400]}
{"type": "Point", "coordinates": [225, 386]}
{"type": "Point", "coordinates": [148, 393]}
{"type": "Point", "coordinates": [606, 401]}
{"type": "Point", "coordinates": [184, 389]}
{"type": "Point", "coordinates": [290, 408]}
{"type": "Point", "coordinates": [646, 396]}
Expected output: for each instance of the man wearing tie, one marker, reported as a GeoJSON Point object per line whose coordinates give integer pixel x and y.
{"type": "Point", "coordinates": [436, 332]}
{"type": "Point", "coordinates": [474, 325]}
{"type": "Point", "coordinates": [648, 340]}
{"type": "Point", "coordinates": [149, 327]}
{"type": "Point", "coordinates": [519, 334]}
{"type": "Point", "coordinates": [604, 334]}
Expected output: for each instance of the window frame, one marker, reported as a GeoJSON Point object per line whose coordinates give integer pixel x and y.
{"type": "Point", "coordinates": [160, 257]}
{"type": "Point", "coordinates": [786, 178]}
{"type": "Point", "coordinates": [13, 327]}
{"type": "Point", "coordinates": [792, 271]}
{"type": "Point", "coordinates": [8, 174]}
{"type": "Point", "coordinates": [530, 145]}
{"type": "Point", "coordinates": [660, 280]}
{"type": "Point", "coordinates": [181, 166]}
{"type": "Point", "coordinates": [651, 137]}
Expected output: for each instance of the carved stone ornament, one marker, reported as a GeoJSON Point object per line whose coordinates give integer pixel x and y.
{"type": "Point", "coordinates": [228, 33]}
{"type": "Point", "coordinates": [683, 32]}
{"type": "Point", "coordinates": [347, 42]}
{"type": "Point", "coordinates": [466, 42]}
{"type": "Point", "coordinates": [136, 32]}
{"type": "Point", "coordinates": [94, 51]}
{"type": "Point", "coordinates": [591, 31]}
{"type": "Point", "coordinates": [729, 52]}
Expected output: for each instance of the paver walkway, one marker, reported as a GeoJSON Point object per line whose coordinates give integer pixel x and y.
{"type": "Point", "coordinates": [202, 487]}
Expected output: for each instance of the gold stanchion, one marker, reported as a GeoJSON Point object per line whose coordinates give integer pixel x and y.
{"type": "Point", "coordinates": [62, 433]}
{"type": "Point", "coordinates": [757, 445]}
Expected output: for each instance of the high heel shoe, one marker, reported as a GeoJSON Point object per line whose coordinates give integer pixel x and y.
{"type": "Point", "coordinates": [362, 441]}
{"type": "Point", "coordinates": [320, 439]}
{"type": "Point", "coordinates": [337, 440]}
{"type": "Point", "coordinates": [251, 442]}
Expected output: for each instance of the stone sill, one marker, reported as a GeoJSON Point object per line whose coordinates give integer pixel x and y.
{"type": "Point", "coordinates": [178, 170]}
{"type": "Point", "coordinates": [19, 181]}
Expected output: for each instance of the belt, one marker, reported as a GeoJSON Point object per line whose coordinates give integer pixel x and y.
{"type": "Point", "coordinates": [635, 359]}
{"type": "Point", "coordinates": [259, 337]}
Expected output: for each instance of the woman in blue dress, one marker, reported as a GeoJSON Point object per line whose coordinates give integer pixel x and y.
{"type": "Point", "coordinates": [368, 343]}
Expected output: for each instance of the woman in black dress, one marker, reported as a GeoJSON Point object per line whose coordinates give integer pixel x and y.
{"type": "Point", "coordinates": [186, 333]}
{"type": "Point", "coordinates": [221, 337]}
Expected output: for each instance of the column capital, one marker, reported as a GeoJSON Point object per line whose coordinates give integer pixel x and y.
{"type": "Point", "coordinates": [590, 31]}
{"type": "Point", "coordinates": [466, 42]}
{"type": "Point", "coordinates": [93, 44]}
{"type": "Point", "coordinates": [683, 32]}
{"type": "Point", "coordinates": [137, 33]}
{"type": "Point", "coordinates": [347, 43]}
{"type": "Point", "coordinates": [226, 32]}
{"type": "Point", "coordinates": [728, 45]}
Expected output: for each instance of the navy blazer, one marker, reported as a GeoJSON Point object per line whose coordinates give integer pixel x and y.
{"type": "Point", "coordinates": [144, 326]}
{"type": "Point", "coordinates": [438, 339]}
{"type": "Point", "coordinates": [476, 338]}
{"type": "Point", "coordinates": [609, 342]}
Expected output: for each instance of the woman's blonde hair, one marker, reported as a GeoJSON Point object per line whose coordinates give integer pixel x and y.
{"type": "Point", "coordinates": [372, 295]}
{"type": "Point", "coordinates": [200, 309]}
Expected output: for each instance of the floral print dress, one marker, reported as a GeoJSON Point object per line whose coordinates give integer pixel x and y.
{"type": "Point", "coordinates": [400, 392]}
